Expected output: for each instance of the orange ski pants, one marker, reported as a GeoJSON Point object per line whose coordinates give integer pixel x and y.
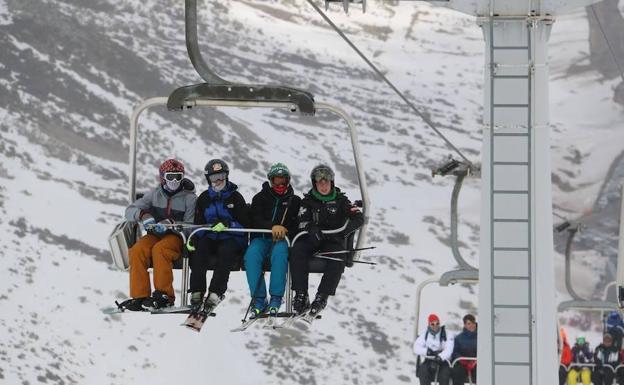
{"type": "Point", "coordinates": [159, 252]}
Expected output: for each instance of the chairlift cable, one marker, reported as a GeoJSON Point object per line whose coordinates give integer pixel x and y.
{"type": "Point", "coordinates": [604, 35]}
{"type": "Point", "coordinates": [385, 79]}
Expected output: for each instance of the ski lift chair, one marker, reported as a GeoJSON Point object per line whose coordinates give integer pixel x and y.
{"type": "Point", "coordinates": [217, 92]}
{"type": "Point", "coordinates": [466, 273]}
{"type": "Point", "coordinates": [577, 302]}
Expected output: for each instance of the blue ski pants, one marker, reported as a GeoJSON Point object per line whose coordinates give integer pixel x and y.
{"type": "Point", "coordinates": [258, 250]}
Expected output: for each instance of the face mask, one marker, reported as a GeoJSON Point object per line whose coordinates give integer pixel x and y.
{"type": "Point", "coordinates": [280, 189]}
{"type": "Point", "coordinates": [218, 188]}
{"type": "Point", "coordinates": [172, 185]}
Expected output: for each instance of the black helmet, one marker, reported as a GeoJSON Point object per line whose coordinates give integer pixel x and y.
{"type": "Point", "coordinates": [216, 166]}
{"type": "Point", "coordinates": [322, 171]}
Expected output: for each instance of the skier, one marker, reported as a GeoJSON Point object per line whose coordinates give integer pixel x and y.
{"type": "Point", "coordinates": [566, 356]}
{"type": "Point", "coordinates": [606, 359]}
{"type": "Point", "coordinates": [221, 206]}
{"type": "Point", "coordinates": [275, 207]}
{"type": "Point", "coordinates": [172, 201]}
{"type": "Point", "coordinates": [465, 345]}
{"type": "Point", "coordinates": [615, 327]}
{"type": "Point", "coordinates": [580, 355]}
{"type": "Point", "coordinates": [325, 207]}
{"type": "Point", "coordinates": [437, 346]}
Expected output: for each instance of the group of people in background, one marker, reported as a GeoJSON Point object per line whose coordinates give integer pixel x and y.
{"type": "Point", "coordinates": [581, 364]}
{"type": "Point", "coordinates": [447, 356]}
{"type": "Point", "coordinates": [221, 208]}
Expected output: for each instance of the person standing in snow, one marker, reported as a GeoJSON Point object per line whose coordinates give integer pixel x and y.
{"type": "Point", "coordinates": [437, 347]}
{"type": "Point", "coordinates": [276, 208]}
{"type": "Point", "coordinates": [221, 206]}
{"type": "Point", "coordinates": [172, 201]}
{"type": "Point", "coordinates": [324, 207]}
{"type": "Point", "coordinates": [465, 345]}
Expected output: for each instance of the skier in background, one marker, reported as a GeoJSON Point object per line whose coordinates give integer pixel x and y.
{"type": "Point", "coordinates": [324, 207]}
{"type": "Point", "coordinates": [465, 345]}
{"type": "Point", "coordinates": [275, 207]}
{"type": "Point", "coordinates": [437, 346]}
{"type": "Point", "coordinates": [566, 356]}
{"type": "Point", "coordinates": [615, 327]}
{"type": "Point", "coordinates": [580, 355]}
{"type": "Point", "coordinates": [172, 201]}
{"type": "Point", "coordinates": [221, 206]}
{"type": "Point", "coordinates": [606, 359]}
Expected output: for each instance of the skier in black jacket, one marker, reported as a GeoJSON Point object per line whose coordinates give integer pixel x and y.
{"type": "Point", "coordinates": [325, 207]}
{"type": "Point", "coordinates": [276, 208]}
{"type": "Point", "coordinates": [465, 346]}
{"type": "Point", "coordinates": [221, 207]}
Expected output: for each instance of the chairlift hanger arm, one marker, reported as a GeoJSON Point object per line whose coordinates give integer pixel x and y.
{"type": "Point", "coordinates": [217, 88]}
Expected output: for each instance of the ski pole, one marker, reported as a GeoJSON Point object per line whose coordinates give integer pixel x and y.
{"type": "Point", "coordinates": [341, 260]}
{"type": "Point", "coordinates": [344, 251]}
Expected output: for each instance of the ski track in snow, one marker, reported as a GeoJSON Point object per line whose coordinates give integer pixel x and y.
{"type": "Point", "coordinates": [68, 84]}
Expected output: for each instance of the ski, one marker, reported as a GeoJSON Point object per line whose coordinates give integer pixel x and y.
{"type": "Point", "coordinates": [290, 321]}
{"type": "Point", "coordinates": [246, 324]}
{"type": "Point", "coordinates": [173, 310]}
{"type": "Point", "coordinates": [309, 317]}
{"type": "Point", "coordinates": [196, 319]}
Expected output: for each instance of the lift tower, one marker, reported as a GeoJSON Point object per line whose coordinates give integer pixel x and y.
{"type": "Point", "coordinates": [517, 310]}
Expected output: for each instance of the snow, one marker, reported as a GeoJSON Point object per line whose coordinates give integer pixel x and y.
{"type": "Point", "coordinates": [59, 201]}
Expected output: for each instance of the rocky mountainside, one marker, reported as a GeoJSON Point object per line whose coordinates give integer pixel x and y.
{"type": "Point", "coordinates": [70, 74]}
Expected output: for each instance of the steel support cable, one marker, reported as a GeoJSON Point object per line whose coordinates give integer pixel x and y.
{"type": "Point", "coordinates": [568, 267]}
{"type": "Point", "coordinates": [604, 35]}
{"type": "Point", "coordinates": [388, 82]}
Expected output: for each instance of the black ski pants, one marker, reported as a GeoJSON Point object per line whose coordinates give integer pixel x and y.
{"type": "Point", "coordinates": [431, 370]}
{"type": "Point", "coordinates": [300, 256]}
{"type": "Point", "coordinates": [602, 376]}
{"type": "Point", "coordinates": [460, 375]}
{"type": "Point", "coordinates": [227, 253]}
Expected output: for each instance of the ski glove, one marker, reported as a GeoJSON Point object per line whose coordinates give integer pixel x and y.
{"type": "Point", "coordinates": [148, 222]}
{"type": "Point", "coordinates": [160, 227]}
{"type": "Point", "coordinates": [278, 232]}
{"type": "Point", "coordinates": [219, 227]}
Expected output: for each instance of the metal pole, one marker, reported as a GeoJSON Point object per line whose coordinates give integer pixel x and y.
{"type": "Point", "coordinates": [568, 269]}
{"type": "Point", "coordinates": [620, 263]}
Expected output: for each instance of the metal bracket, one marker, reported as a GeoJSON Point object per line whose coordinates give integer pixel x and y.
{"type": "Point", "coordinates": [187, 96]}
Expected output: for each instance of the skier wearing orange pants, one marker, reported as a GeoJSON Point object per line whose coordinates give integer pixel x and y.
{"type": "Point", "coordinates": [171, 202]}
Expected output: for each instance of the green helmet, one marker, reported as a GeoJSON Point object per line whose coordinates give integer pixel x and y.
{"type": "Point", "coordinates": [278, 169]}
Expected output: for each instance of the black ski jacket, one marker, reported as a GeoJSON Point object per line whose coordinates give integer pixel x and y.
{"type": "Point", "coordinates": [330, 215]}
{"type": "Point", "coordinates": [268, 209]}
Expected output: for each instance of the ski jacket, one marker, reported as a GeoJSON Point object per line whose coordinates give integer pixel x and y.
{"type": "Point", "coordinates": [161, 204]}
{"type": "Point", "coordinates": [581, 354]}
{"type": "Point", "coordinates": [607, 355]}
{"type": "Point", "coordinates": [465, 344]}
{"type": "Point", "coordinates": [330, 215]}
{"type": "Point", "coordinates": [439, 344]}
{"type": "Point", "coordinates": [226, 206]}
{"type": "Point", "coordinates": [269, 208]}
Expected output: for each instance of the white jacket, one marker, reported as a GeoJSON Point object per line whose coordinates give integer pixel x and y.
{"type": "Point", "coordinates": [433, 342]}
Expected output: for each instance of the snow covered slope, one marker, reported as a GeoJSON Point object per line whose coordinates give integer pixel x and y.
{"type": "Point", "coordinates": [70, 74]}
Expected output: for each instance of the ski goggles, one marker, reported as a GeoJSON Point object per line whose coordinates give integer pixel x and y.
{"type": "Point", "coordinates": [171, 176]}
{"type": "Point", "coordinates": [321, 174]}
{"type": "Point", "coordinates": [217, 177]}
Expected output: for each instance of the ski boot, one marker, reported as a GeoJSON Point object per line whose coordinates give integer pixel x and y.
{"type": "Point", "coordinates": [301, 303]}
{"type": "Point", "coordinates": [212, 300]}
{"type": "Point", "coordinates": [318, 304]}
{"type": "Point", "coordinates": [132, 304]}
{"type": "Point", "coordinates": [197, 298]}
{"type": "Point", "coordinates": [274, 305]}
{"type": "Point", "coordinates": [158, 300]}
{"type": "Point", "coordinates": [258, 307]}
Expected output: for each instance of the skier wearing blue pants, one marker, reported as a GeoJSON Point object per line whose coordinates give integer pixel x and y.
{"type": "Point", "coordinates": [275, 207]}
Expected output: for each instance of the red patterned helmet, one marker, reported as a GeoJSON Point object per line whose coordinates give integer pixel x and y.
{"type": "Point", "coordinates": [170, 165]}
